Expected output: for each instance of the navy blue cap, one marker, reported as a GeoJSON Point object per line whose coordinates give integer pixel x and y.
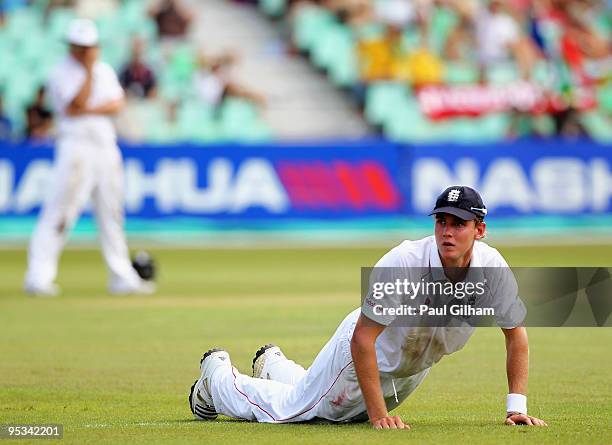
{"type": "Point", "coordinates": [462, 201]}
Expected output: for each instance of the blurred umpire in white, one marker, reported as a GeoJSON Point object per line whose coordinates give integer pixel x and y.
{"type": "Point", "coordinates": [85, 94]}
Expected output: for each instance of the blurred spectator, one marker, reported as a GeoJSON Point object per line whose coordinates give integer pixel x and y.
{"type": "Point", "coordinates": [39, 118]}
{"type": "Point", "coordinates": [137, 77]}
{"type": "Point", "coordinates": [425, 68]}
{"type": "Point", "coordinates": [384, 58]}
{"type": "Point", "coordinates": [6, 127]}
{"type": "Point", "coordinates": [172, 18]}
{"type": "Point", "coordinates": [461, 40]}
{"type": "Point", "coordinates": [398, 13]}
{"type": "Point", "coordinates": [496, 33]}
{"type": "Point", "coordinates": [568, 124]}
{"type": "Point", "coordinates": [580, 41]}
{"type": "Point", "coordinates": [389, 58]}
{"type": "Point", "coordinates": [213, 81]}
{"type": "Point", "coordinates": [499, 39]}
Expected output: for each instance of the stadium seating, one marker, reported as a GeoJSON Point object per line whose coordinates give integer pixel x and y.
{"type": "Point", "coordinates": [28, 57]}
{"type": "Point", "coordinates": [331, 46]}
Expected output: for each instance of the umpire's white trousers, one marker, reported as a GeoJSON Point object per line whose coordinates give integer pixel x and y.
{"type": "Point", "coordinates": [327, 390]}
{"type": "Point", "coordinates": [82, 171]}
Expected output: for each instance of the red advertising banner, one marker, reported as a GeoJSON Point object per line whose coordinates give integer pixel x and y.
{"type": "Point", "coordinates": [438, 102]}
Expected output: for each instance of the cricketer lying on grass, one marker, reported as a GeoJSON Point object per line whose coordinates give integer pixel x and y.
{"type": "Point", "coordinates": [368, 368]}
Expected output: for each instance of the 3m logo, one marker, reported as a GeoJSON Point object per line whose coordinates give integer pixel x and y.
{"type": "Point", "coordinates": [453, 195]}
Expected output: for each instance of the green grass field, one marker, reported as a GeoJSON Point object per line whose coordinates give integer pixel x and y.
{"type": "Point", "coordinates": [117, 370]}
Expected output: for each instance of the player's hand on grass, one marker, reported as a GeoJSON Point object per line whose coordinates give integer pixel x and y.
{"type": "Point", "coordinates": [389, 422]}
{"type": "Point", "coordinates": [523, 419]}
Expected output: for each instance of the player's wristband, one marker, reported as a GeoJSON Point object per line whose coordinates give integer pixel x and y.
{"type": "Point", "coordinates": [516, 403]}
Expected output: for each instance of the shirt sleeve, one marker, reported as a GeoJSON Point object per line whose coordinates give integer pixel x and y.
{"type": "Point", "coordinates": [504, 298]}
{"type": "Point", "coordinates": [112, 87]}
{"type": "Point", "coordinates": [379, 300]}
{"type": "Point", "coordinates": [510, 30]}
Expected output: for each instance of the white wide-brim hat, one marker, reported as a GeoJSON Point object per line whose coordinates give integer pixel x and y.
{"type": "Point", "coordinates": [82, 32]}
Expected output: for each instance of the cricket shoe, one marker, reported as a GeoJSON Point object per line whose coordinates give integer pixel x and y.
{"type": "Point", "coordinates": [50, 290]}
{"type": "Point", "coordinates": [200, 396]}
{"type": "Point", "coordinates": [265, 357]}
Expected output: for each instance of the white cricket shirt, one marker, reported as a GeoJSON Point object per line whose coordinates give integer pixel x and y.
{"type": "Point", "coordinates": [64, 84]}
{"type": "Point", "coordinates": [403, 351]}
{"type": "Point", "coordinates": [494, 34]}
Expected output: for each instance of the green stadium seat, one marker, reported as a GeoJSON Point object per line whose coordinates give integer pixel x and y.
{"type": "Point", "coordinates": [164, 133]}
{"type": "Point", "coordinates": [502, 73]}
{"type": "Point", "coordinates": [333, 42]}
{"type": "Point", "coordinates": [153, 117]}
{"type": "Point", "coordinates": [411, 38]}
{"type": "Point", "coordinates": [494, 126]}
{"type": "Point", "coordinates": [35, 49]}
{"type": "Point", "coordinates": [467, 130]}
{"type": "Point", "coordinates": [115, 51]}
{"type": "Point", "coordinates": [238, 121]}
{"type": "Point", "coordinates": [382, 98]}
{"type": "Point", "coordinates": [370, 31]}
{"type": "Point", "coordinates": [541, 73]}
{"type": "Point", "coordinates": [134, 20]}
{"type": "Point", "coordinates": [110, 27]}
{"type": "Point", "coordinates": [155, 56]}
{"type": "Point", "coordinates": [598, 124]}
{"type": "Point", "coordinates": [344, 71]}
{"type": "Point", "coordinates": [183, 63]}
{"type": "Point", "coordinates": [458, 73]}
{"type": "Point", "coordinates": [132, 13]}
{"type": "Point", "coordinates": [206, 132]}
{"type": "Point", "coordinates": [58, 22]}
{"type": "Point", "coordinates": [21, 86]}
{"type": "Point", "coordinates": [604, 96]}
{"type": "Point", "coordinates": [19, 91]}
{"type": "Point", "coordinates": [21, 22]}
{"type": "Point", "coordinates": [259, 132]}
{"type": "Point", "coordinates": [407, 124]}
{"type": "Point", "coordinates": [172, 88]}
{"type": "Point", "coordinates": [310, 22]}
{"type": "Point", "coordinates": [195, 121]}
{"type": "Point", "coordinates": [9, 61]}
{"type": "Point", "coordinates": [443, 21]}
{"type": "Point", "coordinates": [147, 30]}
{"type": "Point", "coordinates": [235, 115]}
{"type": "Point", "coordinates": [53, 54]}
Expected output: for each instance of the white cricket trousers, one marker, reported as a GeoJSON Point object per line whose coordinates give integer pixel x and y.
{"type": "Point", "coordinates": [327, 390]}
{"type": "Point", "coordinates": [83, 170]}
